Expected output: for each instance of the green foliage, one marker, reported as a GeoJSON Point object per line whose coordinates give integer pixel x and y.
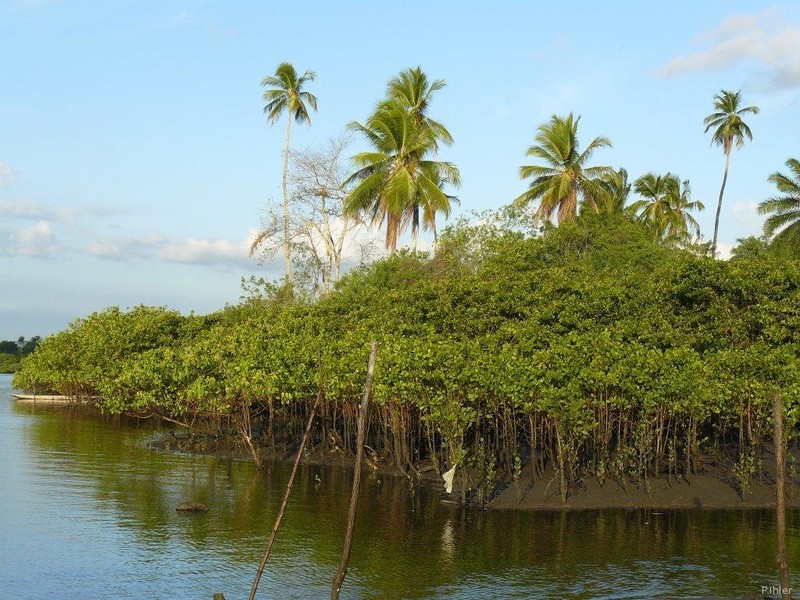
{"type": "Point", "coordinates": [398, 179]}
{"type": "Point", "coordinates": [8, 347]}
{"type": "Point", "coordinates": [565, 180]}
{"type": "Point", "coordinates": [586, 347]}
{"type": "Point", "coordinates": [726, 121]}
{"type": "Point", "coordinates": [664, 208]}
{"type": "Point", "coordinates": [285, 93]}
{"type": "Point", "coordinates": [784, 211]}
{"type": "Point", "coordinates": [11, 352]}
{"type": "Point", "coordinates": [9, 363]}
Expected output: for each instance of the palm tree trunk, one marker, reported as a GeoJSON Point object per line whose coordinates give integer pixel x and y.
{"type": "Point", "coordinates": [392, 231]}
{"type": "Point", "coordinates": [719, 204]}
{"type": "Point", "coordinates": [415, 229]}
{"type": "Point", "coordinates": [286, 246]}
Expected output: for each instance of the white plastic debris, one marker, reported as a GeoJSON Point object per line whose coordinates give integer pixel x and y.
{"type": "Point", "coordinates": [448, 479]}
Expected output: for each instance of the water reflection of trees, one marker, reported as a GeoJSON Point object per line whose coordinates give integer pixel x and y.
{"type": "Point", "coordinates": [406, 544]}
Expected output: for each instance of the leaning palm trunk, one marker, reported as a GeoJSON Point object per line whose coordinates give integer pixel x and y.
{"type": "Point", "coordinates": [719, 204]}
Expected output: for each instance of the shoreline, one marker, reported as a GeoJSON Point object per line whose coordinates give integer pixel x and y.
{"type": "Point", "coordinates": [704, 490]}
{"type": "Point", "coordinates": [714, 487]}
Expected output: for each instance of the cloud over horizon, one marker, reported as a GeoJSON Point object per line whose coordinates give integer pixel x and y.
{"type": "Point", "coordinates": [39, 239]}
{"type": "Point", "coordinates": [765, 39]}
{"type": "Point", "coordinates": [36, 241]}
{"type": "Point", "coordinates": [36, 211]}
{"type": "Point", "coordinates": [8, 175]}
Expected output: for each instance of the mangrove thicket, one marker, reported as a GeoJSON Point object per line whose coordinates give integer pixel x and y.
{"type": "Point", "coordinates": [582, 350]}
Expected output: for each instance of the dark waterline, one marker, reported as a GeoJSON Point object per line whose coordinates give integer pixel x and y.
{"type": "Point", "coordinates": [88, 513]}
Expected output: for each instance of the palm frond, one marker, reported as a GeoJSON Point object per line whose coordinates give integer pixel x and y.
{"type": "Point", "coordinates": [285, 92]}
{"type": "Point", "coordinates": [564, 180]}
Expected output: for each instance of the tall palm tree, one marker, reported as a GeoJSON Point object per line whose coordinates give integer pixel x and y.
{"type": "Point", "coordinates": [285, 93]}
{"type": "Point", "coordinates": [729, 129]}
{"type": "Point", "coordinates": [652, 207]}
{"type": "Point", "coordinates": [395, 176]}
{"type": "Point", "coordinates": [683, 226]}
{"type": "Point", "coordinates": [664, 207]}
{"type": "Point", "coordinates": [784, 210]}
{"type": "Point", "coordinates": [616, 191]}
{"type": "Point", "coordinates": [565, 179]}
{"type": "Point", "coordinates": [412, 91]}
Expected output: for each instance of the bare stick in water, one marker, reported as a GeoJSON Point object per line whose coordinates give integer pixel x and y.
{"type": "Point", "coordinates": [285, 497]}
{"type": "Point", "coordinates": [780, 504]}
{"type": "Point", "coordinates": [351, 515]}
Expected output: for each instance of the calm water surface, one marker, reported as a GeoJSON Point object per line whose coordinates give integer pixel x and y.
{"type": "Point", "coordinates": [85, 512]}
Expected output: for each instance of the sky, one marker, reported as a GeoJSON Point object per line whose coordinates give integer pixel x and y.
{"type": "Point", "coordinates": [136, 161]}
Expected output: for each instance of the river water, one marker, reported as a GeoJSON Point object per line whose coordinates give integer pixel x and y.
{"type": "Point", "coordinates": [87, 513]}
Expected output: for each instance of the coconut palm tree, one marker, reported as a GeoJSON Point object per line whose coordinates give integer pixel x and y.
{"type": "Point", "coordinates": [683, 226]}
{"type": "Point", "coordinates": [412, 91]}
{"type": "Point", "coordinates": [285, 93]}
{"type": "Point", "coordinates": [617, 190]}
{"type": "Point", "coordinates": [729, 129]}
{"type": "Point", "coordinates": [395, 176]}
{"type": "Point", "coordinates": [784, 210]}
{"type": "Point", "coordinates": [564, 180]}
{"type": "Point", "coordinates": [653, 207]}
{"type": "Point", "coordinates": [664, 207]}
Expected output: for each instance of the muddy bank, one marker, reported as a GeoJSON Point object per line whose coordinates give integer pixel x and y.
{"type": "Point", "coordinates": [713, 486]}
{"type": "Point", "coordinates": [703, 490]}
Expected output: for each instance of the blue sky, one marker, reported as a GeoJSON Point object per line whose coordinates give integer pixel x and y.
{"type": "Point", "coordinates": [135, 159]}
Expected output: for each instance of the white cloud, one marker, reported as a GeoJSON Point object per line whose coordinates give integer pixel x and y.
{"type": "Point", "coordinates": [36, 241]}
{"type": "Point", "coordinates": [35, 211]}
{"type": "Point", "coordinates": [126, 248]}
{"type": "Point", "coordinates": [8, 175]}
{"type": "Point", "coordinates": [195, 251]}
{"type": "Point", "coordinates": [765, 39]}
{"type": "Point", "coordinates": [724, 250]}
{"type": "Point", "coordinates": [205, 252]}
{"type": "Point", "coordinates": [747, 213]}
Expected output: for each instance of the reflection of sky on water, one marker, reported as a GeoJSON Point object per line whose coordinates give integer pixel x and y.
{"type": "Point", "coordinates": [83, 503]}
{"type": "Point", "coordinates": [448, 543]}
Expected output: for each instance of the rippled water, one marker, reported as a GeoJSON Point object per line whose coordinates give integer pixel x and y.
{"type": "Point", "coordinates": [86, 513]}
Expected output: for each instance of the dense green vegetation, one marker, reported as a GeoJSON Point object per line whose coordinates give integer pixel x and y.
{"type": "Point", "coordinates": [587, 349]}
{"type": "Point", "coordinates": [11, 352]}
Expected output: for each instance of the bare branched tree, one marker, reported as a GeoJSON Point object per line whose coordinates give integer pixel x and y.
{"type": "Point", "coordinates": [321, 234]}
